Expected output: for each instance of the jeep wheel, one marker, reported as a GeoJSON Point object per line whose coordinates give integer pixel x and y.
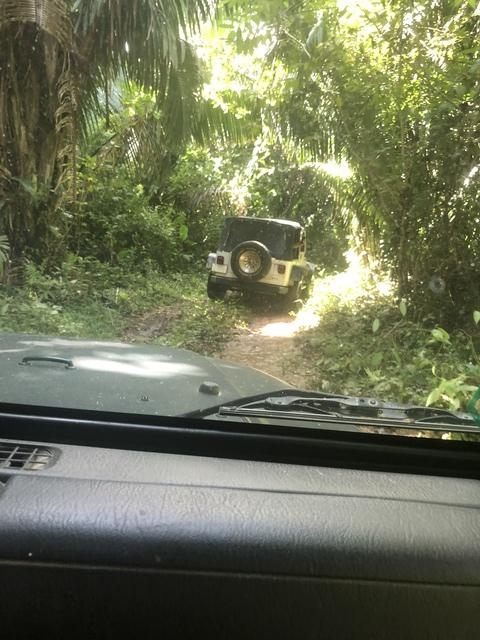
{"type": "Point", "coordinates": [306, 288]}
{"type": "Point", "coordinates": [215, 291]}
{"type": "Point", "coordinates": [251, 260]}
{"type": "Point", "coordinates": [292, 295]}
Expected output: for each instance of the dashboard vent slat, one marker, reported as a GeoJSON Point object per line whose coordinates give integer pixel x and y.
{"type": "Point", "coordinates": [24, 456]}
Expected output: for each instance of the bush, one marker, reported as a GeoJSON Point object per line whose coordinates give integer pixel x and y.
{"type": "Point", "coordinates": [369, 347]}
{"type": "Point", "coordinates": [86, 298]}
{"type": "Point", "coordinates": [197, 191]}
{"type": "Point", "coordinates": [116, 224]}
{"type": "Point", "coordinates": [280, 189]}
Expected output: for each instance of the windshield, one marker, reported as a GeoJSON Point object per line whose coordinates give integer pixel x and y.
{"type": "Point", "coordinates": [140, 144]}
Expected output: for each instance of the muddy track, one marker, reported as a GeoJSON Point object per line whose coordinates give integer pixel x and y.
{"type": "Point", "coordinates": [153, 324]}
{"type": "Point", "coordinates": [269, 343]}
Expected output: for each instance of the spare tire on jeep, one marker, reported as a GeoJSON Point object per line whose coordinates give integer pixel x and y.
{"type": "Point", "coordinates": [251, 260]}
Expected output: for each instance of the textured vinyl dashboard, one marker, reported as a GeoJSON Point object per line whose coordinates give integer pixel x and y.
{"type": "Point", "coordinates": [235, 548]}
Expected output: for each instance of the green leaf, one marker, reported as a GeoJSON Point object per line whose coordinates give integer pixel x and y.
{"type": "Point", "coordinates": [476, 317]}
{"type": "Point", "coordinates": [183, 232]}
{"type": "Point", "coordinates": [440, 335]}
{"type": "Point", "coordinates": [433, 396]}
{"type": "Point", "coordinates": [377, 358]}
{"type": "Point", "coordinates": [376, 325]}
{"type": "Point", "coordinates": [403, 308]}
{"type": "Point", "coordinates": [373, 376]}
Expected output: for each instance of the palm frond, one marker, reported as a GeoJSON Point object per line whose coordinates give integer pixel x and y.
{"type": "Point", "coordinates": [49, 99]}
{"type": "Point", "coordinates": [136, 38]}
{"type": "Point", "coordinates": [4, 252]}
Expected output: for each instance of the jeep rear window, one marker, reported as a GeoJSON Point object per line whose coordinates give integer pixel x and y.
{"type": "Point", "coordinates": [281, 240]}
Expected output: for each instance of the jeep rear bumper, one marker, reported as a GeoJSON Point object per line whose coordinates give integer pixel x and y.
{"type": "Point", "coordinates": [245, 285]}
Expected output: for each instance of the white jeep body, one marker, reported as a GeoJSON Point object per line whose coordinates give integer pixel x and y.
{"type": "Point", "coordinates": [269, 258]}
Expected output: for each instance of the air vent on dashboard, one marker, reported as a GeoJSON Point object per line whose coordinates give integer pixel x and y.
{"type": "Point", "coordinates": [25, 456]}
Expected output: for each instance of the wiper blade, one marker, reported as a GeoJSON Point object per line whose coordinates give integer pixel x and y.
{"type": "Point", "coordinates": [427, 415]}
{"type": "Point", "coordinates": [317, 406]}
{"type": "Point", "coordinates": [370, 407]}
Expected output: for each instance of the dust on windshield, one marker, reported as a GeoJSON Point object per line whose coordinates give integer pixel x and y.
{"type": "Point", "coordinates": [128, 138]}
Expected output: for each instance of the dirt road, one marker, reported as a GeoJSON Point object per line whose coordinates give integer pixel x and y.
{"type": "Point", "coordinates": [269, 343]}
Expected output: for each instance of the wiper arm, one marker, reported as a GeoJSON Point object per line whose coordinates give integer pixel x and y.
{"type": "Point", "coordinates": [350, 406]}
{"type": "Point", "coordinates": [319, 406]}
{"type": "Point", "coordinates": [327, 407]}
{"type": "Point", "coordinates": [258, 400]}
{"type": "Point", "coordinates": [428, 415]}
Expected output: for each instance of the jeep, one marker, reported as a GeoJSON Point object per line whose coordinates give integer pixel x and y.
{"type": "Point", "coordinates": [262, 255]}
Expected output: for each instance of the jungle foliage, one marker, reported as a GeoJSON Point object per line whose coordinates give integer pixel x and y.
{"type": "Point", "coordinates": [129, 130]}
{"type": "Point", "coordinates": [360, 119]}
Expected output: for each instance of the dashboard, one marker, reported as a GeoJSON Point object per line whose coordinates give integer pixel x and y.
{"type": "Point", "coordinates": [102, 541]}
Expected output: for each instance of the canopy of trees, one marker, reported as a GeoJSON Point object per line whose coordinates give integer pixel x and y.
{"type": "Point", "coordinates": [359, 118]}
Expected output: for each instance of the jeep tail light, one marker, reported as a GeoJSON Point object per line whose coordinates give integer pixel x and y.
{"type": "Point", "coordinates": [281, 268]}
{"type": "Point", "coordinates": [220, 260]}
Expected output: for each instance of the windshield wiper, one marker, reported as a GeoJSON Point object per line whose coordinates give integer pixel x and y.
{"type": "Point", "coordinates": [312, 406]}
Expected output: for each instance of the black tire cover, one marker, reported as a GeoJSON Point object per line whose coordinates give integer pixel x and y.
{"type": "Point", "coordinates": [263, 253]}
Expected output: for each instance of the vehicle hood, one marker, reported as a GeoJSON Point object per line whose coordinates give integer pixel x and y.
{"type": "Point", "coordinates": [130, 378]}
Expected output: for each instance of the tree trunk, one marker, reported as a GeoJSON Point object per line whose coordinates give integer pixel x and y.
{"type": "Point", "coordinates": [32, 134]}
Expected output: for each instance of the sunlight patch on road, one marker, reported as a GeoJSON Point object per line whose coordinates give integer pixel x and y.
{"type": "Point", "coordinates": [305, 319]}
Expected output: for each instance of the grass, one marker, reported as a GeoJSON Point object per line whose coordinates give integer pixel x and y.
{"type": "Point", "coordinates": [88, 299]}
{"type": "Point", "coordinates": [364, 343]}
{"type": "Point", "coordinates": [354, 337]}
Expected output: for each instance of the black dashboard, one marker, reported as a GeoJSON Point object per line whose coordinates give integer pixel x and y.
{"type": "Point", "coordinates": [99, 541]}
